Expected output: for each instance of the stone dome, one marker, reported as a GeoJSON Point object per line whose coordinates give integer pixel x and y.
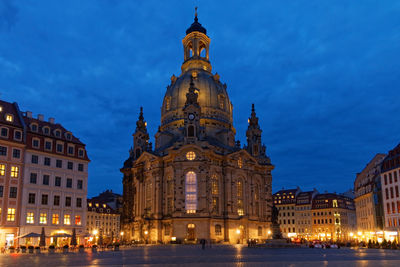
{"type": "Point", "coordinates": [212, 97]}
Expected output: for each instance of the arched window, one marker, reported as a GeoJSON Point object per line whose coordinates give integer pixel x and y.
{"type": "Point", "coordinates": [257, 200]}
{"type": "Point", "coordinates": [167, 103]}
{"type": "Point", "coordinates": [191, 192]}
{"type": "Point", "coordinates": [239, 193]}
{"type": "Point", "coordinates": [191, 131]}
{"type": "Point", "coordinates": [215, 193]}
{"type": "Point", "coordinates": [218, 229]}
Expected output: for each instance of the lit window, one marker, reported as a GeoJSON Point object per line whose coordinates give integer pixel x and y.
{"type": "Point", "coordinates": [1, 108]}
{"type": "Point", "coordinates": [67, 219]}
{"type": "Point", "coordinates": [215, 185]}
{"type": "Point", "coordinates": [55, 219]}
{"type": "Point", "coordinates": [10, 215]}
{"type": "Point", "coordinates": [9, 118]}
{"type": "Point", "coordinates": [30, 217]}
{"type": "Point", "coordinates": [104, 205]}
{"type": "Point", "coordinates": [167, 103]}
{"type": "Point", "coordinates": [43, 218]}
{"type": "Point", "coordinates": [190, 155]}
{"type": "Point", "coordinates": [2, 169]}
{"type": "Point", "coordinates": [90, 204]}
{"type": "Point", "coordinates": [239, 193]}
{"type": "Point", "coordinates": [240, 162]}
{"type": "Point", "coordinates": [14, 171]}
{"type": "Point", "coordinates": [191, 192]}
{"type": "Point", "coordinates": [78, 220]}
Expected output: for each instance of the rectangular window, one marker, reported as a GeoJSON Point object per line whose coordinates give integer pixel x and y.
{"type": "Point", "coordinates": [78, 220]}
{"type": "Point", "coordinates": [395, 176]}
{"type": "Point", "coordinates": [60, 148]}
{"type": "Point", "coordinates": [2, 169]}
{"type": "Point", "coordinates": [215, 204]}
{"type": "Point", "coordinates": [67, 219]}
{"type": "Point", "coordinates": [79, 202]}
{"type": "Point", "coordinates": [35, 143]}
{"type": "Point", "coordinates": [70, 165]}
{"type": "Point", "coordinates": [47, 145]}
{"type": "Point", "coordinates": [70, 150]}
{"type": "Point", "coordinates": [30, 217]}
{"type": "Point", "coordinates": [68, 201]}
{"type": "Point", "coordinates": [80, 167]}
{"type": "Point", "coordinates": [10, 214]}
{"type": "Point", "coordinates": [390, 178]}
{"type": "Point", "coordinates": [35, 159]}
{"type": "Point", "coordinates": [45, 199]}
{"type": "Point", "coordinates": [56, 200]}
{"type": "Point", "coordinates": [397, 190]}
{"type": "Point", "coordinates": [387, 193]}
{"type": "Point", "coordinates": [16, 153]}
{"type": "Point", "coordinates": [69, 183]}
{"type": "Point", "coordinates": [79, 184]}
{"type": "Point", "coordinates": [13, 192]}
{"type": "Point", "coordinates": [59, 163]}
{"type": "Point", "coordinates": [385, 178]}
{"type": "Point", "coordinates": [31, 198]}
{"type": "Point", "coordinates": [4, 132]}
{"type": "Point", "coordinates": [46, 179]}
{"type": "Point", "coordinates": [3, 151]}
{"type": "Point", "coordinates": [43, 218]}
{"type": "Point", "coordinates": [14, 171]}
{"type": "Point", "coordinates": [18, 135]}
{"type": "Point", "coordinates": [1, 190]}
{"type": "Point", "coordinates": [391, 192]}
{"type": "Point", "coordinates": [57, 181]}
{"type": "Point", "coordinates": [55, 219]}
{"type": "Point", "coordinates": [33, 178]}
{"type": "Point", "coordinates": [47, 161]}
{"type": "Point", "coordinates": [81, 153]}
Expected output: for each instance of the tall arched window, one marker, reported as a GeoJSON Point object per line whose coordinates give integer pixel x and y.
{"type": "Point", "coordinates": [191, 131]}
{"type": "Point", "coordinates": [257, 200]}
{"type": "Point", "coordinates": [239, 188]}
{"type": "Point", "coordinates": [215, 193]}
{"type": "Point", "coordinates": [191, 192]}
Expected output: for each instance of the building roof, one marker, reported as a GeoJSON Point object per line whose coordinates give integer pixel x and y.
{"type": "Point", "coordinates": [12, 109]}
{"type": "Point", "coordinates": [285, 196]}
{"type": "Point", "coordinates": [53, 126]}
{"type": "Point", "coordinates": [392, 160]}
{"type": "Point", "coordinates": [304, 198]}
{"type": "Point", "coordinates": [196, 27]}
{"type": "Point", "coordinates": [100, 207]}
{"type": "Point", "coordinates": [332, 200]}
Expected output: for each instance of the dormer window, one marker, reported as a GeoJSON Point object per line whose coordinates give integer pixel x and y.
{"type": "Point", "coordinates": [68, 136]}
{"type": "Point", "coordinates": [17, 135]}
{"type": "Point", "coordinates": [34, 127]}
{"type": "Point", "coordinates": [9, 118]}
{"type": "Point", "coordinates": [81, 152]}
{"type": "Point", "coordinates": [57, 133]}
{"type": "Point", "coordinates": [46, 130]}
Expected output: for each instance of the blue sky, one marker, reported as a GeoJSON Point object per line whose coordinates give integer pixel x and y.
{"type": "Point", "coordinates": [324, 76]}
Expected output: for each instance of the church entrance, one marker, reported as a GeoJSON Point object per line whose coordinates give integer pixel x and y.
{"type": "Point", "coordinates": [191, 232]}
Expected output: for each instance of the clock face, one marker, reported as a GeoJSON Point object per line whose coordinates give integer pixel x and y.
{"type": "Point", "coordinates": [191, 116]}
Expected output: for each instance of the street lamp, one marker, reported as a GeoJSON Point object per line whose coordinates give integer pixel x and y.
{"type": "Point", "coordinates": [146, 232]}
{"type": "Point", "coordinates": [122, 233]}
{"type": "Point", "coordinates": [95, 232]}
{"type": "Point", "coordinates": [238, 231]}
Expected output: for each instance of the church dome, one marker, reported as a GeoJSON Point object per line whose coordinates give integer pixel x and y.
{"type": "Point", "coordinates": [212, 97]}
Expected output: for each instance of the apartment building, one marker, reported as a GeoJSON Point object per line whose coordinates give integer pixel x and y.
{"type": "Point", "coordinates": [303, 214]}
{"type": "Point", "coordinates": [285, 201]}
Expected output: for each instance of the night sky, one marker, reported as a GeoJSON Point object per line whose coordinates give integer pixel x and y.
{"type": "Point", "coordinates": [324, 76]}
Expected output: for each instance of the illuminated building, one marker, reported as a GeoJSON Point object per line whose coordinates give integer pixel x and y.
{"type": "Point", "coordinates": [303, 214]}
{"type": "Point", "coordinates": [390, 180]}
{"type": "Point", "coordinates": [368, 200]}
{"type": "Point", "coordinates": [198, 182]}
{"type": "Point", "coordinates": [333, 217]}
{"type": "Point", "coordinates": [285, 201]}
{"type": "Point", "coordinates": [12, 149]}
{"type": "Point", "coordinates": [102, 219]}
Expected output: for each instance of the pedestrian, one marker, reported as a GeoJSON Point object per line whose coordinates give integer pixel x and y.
{"type": "Point", "coordinates": [203, 244]}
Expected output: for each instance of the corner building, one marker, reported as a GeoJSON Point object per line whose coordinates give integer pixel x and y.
{"type": "Point", "coordinates": [198, 182]}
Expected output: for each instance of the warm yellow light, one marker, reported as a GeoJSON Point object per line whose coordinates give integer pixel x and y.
{"type": "Point", "coordinates": [122, 233]}
{"type": "Point", "coordinates": [269, 232]}
{"type": "Point", "coordinates": [359, 233]}
{"type": "Point", "coordinates": [95, 232]}
{"type": "Point", "coordinates": [173, 238]}
{"type": "Point", "coordinates": [146, 232]}
{"type": "Point", "coordinates": [238, 231]}
{"type": "Point", "coordinates": [351, 234]}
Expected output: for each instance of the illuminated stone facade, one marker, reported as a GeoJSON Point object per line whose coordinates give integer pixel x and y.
{"type": "Point", "coordinates": [368, 199]}
{"type": "Point", "coordinates": [198, 182]}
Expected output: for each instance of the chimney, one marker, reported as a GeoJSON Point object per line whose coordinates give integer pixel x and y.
{"type": "Point", "coordinates": [40, 117]}
{"type": "Point", "coordinates": [29, 114]}
{"type": "Point", "coordinates": [51, 120]}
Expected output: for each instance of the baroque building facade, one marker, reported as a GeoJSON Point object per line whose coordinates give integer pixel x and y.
{"type": "Point", "coordinates": [197, 182]}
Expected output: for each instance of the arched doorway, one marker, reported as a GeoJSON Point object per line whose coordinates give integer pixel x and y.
{"type": "Point", "coordinates": [191, 232]}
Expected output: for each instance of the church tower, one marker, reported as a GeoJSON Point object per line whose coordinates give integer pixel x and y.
{"type": "Point", "coordinates": [253, 134]}
{"type": "Point", "coordinates": [140, 137]}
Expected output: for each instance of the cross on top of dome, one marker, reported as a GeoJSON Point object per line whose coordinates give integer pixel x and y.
{"type": "Point", "coordinates": [196, 26]}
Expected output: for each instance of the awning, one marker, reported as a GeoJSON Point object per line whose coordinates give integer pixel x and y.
{"type": "Point", "coordinates": [29, 235]}
{"type": "Point", "coordinates": [61, 235]}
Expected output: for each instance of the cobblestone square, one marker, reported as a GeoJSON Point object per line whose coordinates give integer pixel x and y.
{"type": "Point", "coordinates": [181, 255]}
